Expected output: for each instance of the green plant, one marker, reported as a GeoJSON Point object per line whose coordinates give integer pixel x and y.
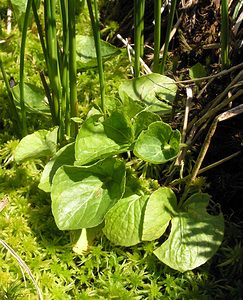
{"type": "Point", "coordinates": [93, 180]}
{"type": "Point", "coordinates": [63, 54]}
{"type": "Point", "coordinates": [139, 7]}
{"type": "Point", "coordinates": [91, 188]}
{"type": "Point", "coordinates": [167, 37]}
{"type": "Point", "coordinates": [225, 35]}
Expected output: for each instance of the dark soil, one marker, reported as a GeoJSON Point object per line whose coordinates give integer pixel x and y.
{"type": "Point", "coordinates": [226, 180]}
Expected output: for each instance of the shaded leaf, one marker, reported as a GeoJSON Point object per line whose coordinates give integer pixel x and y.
{"type": "Point", "coordinates": [197, 71]}
{"type": "Point", "coordinates": [142, 120]}
{"type": "Point", "coordinates": [119, 128]}
{"type": "Point", "coordinates": [34, 97]}
{"type": "Point", "coordinates": [86, 53]}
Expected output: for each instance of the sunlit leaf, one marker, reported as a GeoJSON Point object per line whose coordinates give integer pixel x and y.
{"type": "Point", "coordinates": [81, 196]}
{"type": "Point", "coordinates": [65, 156]}
{"type": "Point", "coordinates": [195, 235]}
{"type": "Point", "coordinates": [158, 144]}
{"type": "Point", "coordinates": [160, 208]}
{"type": "Point", "coordinates": [155, 91]}
{"type": "Point", "coordinates": [124, 221]}
{"type": "Point", "coordinates": [99, 139]}
{"type": "Point", "coordinates": [36, 145]}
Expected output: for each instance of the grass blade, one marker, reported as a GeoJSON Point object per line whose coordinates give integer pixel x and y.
{"type": "Point", "coordinates": [21, 69]}
{"type": "Point", "coordinates": [167, 37]}
{"type": "Point", "coordinates": [95, 26]}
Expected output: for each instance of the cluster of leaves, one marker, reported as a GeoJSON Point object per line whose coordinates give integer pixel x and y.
{"type": "Point", "coordinates": [106, 271]}
{"type": "Point", "coordinates": [90, 184]}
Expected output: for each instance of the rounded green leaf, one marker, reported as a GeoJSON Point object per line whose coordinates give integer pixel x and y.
{"type": "Point", "coordinates": [36, 145]}
{"type": "Point", "coordinates": [158, 144]}
{"type": "Point", "coordinates": [119, 128]}
{"type": "Point", "coordinates": [81, 196]}
{"type": "Point", "coordinates": [195, 235]}
{"type": "Point", "coordinates": [155, 91]}
{"type": "Point", "coordinates": [98, 139]}
{"type": "Point", "coordinates": [159, 210]}
{"type": "Point", "coordinates": [124, 221]}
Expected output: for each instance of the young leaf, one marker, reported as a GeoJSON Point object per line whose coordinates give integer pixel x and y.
{"type": "Point", "coordinates": [81, 196]}
{"type": "Point", "coordinates": [195, 235]}
{"type": "Point", "coordinates": [159, 210]}
{"type": "Point", "coordinates": [158, 144]}
{"type": "Point", "coordinates": [65, 156]}
{"type": "Point", "coordinates": [131, 107]}
{"type": "Point", "coordinates": [36, 145]}
{"type": "Point", "coordinates": [124, 221]}
{"type": "Point", "coordinates": [156, 91]}
{"type": "Point", "coordinates": [197, 71]}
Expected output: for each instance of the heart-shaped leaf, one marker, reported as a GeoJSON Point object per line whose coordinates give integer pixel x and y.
{"type": "Point", "coordinates": [160, 208]}
{"type": "Point", "coordinates": [195, 235]}
{"type": "Point", "coordinates": [81, 196]}
{"type": "Point", "coordinates": [36, 145]}
{"type": "Point", "coordinates": [155, 91]}
{"type": "Point", "coordinates": [124, 221]}
{"type": "Point", "coordinates": [92, 143]}
{"type": "Point", "coordinates": [119, 128]}
{"type": "Point", "coordinates": [158, 144]}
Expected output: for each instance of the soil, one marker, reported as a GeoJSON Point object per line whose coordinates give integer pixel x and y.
{"type": "Point", "coordinates": [226, 180]}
